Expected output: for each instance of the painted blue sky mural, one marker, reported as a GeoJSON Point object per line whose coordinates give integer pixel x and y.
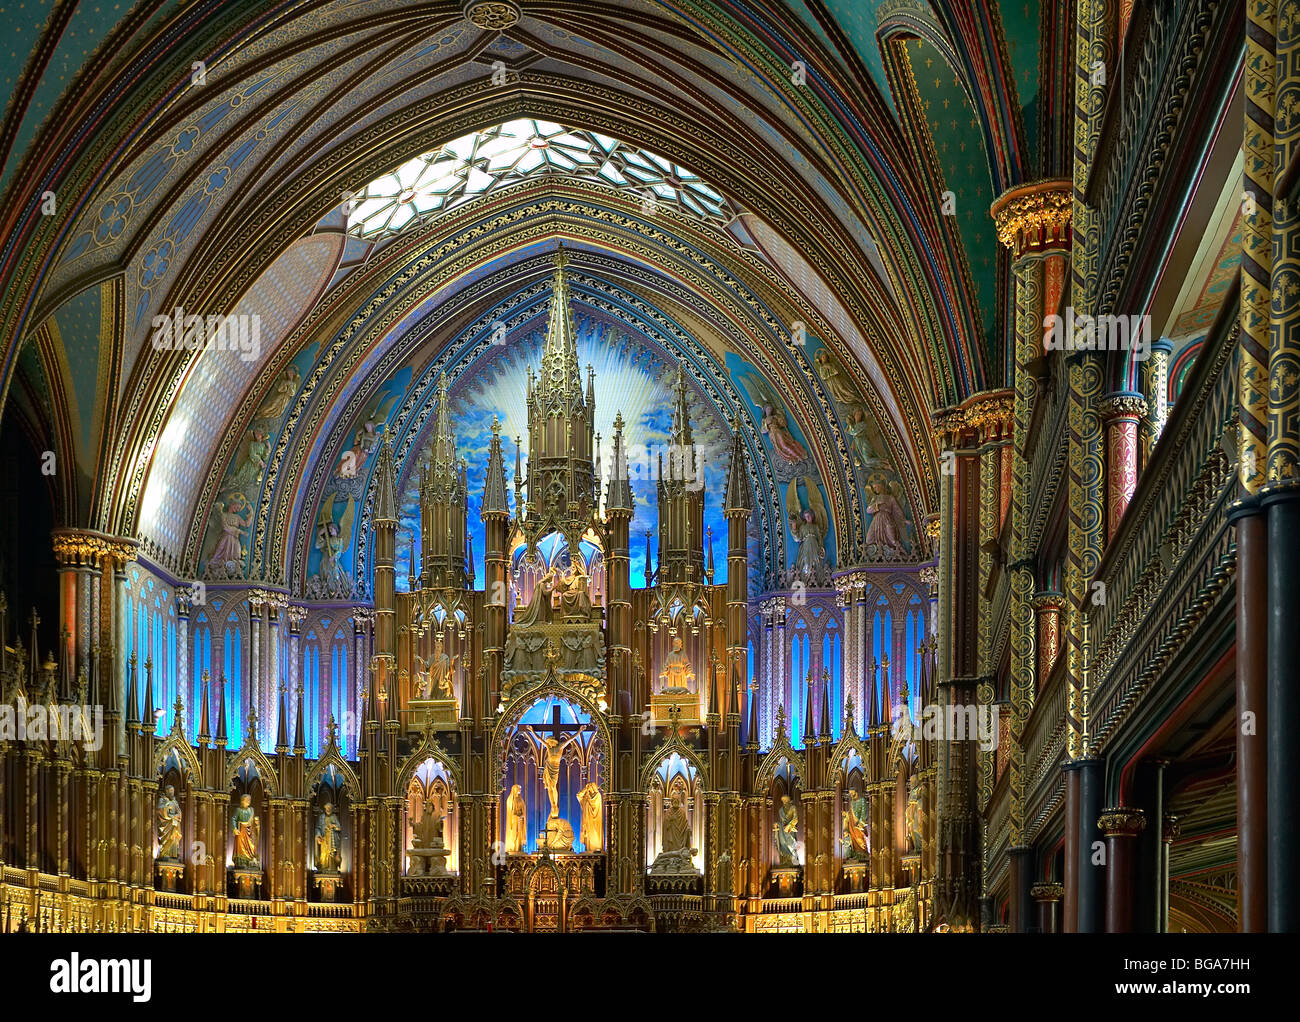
{"type": "Point", "coordinates": [633, 377]}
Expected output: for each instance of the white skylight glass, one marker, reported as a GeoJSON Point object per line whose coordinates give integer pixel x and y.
{"type": "Point", "coordinates": [475, 164]}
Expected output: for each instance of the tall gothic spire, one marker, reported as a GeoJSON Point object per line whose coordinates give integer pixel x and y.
{"type": "Point", "coordinates": [561, 379]}
{"type": "Point", "coordinates": [386, 485]}
{"type": "Point", "coordinates": [494, 486]}
{"type": "Point", "coordinates": [737, 496]}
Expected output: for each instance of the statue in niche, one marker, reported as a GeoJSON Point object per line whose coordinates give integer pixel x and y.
{"type": "Point", "coordinates": [914, 816]}
{"type": "Point", "coordinates": [251, 461]}
{"type": "Point", "coordinates": [573, 593]}
{"type": "Point", "coordinates": [675, 851]}
{"type": "Point", "coordinates": [435, 676]}
{"type": "Point", "coordinates": [246, 829]}
{"type": "Point", "coordinates": [280, 399]}
{"type": "Point", "coordinates": [427, 833]}
{"type": "Point", "coordinates": [887, 534]}
{"type": "Point", "coordinates": [786, 829]}
{"type": "Point", "coordinates": [592, 830]}
{"type": "Point", "coordinates": [329, 841]}
{"type": "Point", "coordinates": [809, 526]}
{"type": "Point", "coordinates": [539, 608]}
{"type": "Point", "coordinates": [235, 518]}
{"type": "Point", "coordinates": [677, 674]}
{"type": "Point", "coordinates": [169, 826]}
{"type": "Point", "coordinates": [516, 821]}
{"type": "Point", "coordinates": [856, 831]}
{"type": "Point", "coordinates": [836, 380]}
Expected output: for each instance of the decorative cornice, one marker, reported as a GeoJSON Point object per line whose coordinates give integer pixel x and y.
{"type": "Point", "coordinates": [987, 413]}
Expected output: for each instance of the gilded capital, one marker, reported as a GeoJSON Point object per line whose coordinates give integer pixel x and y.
{"type": "Point", "coordinates": [1122, 821]}
{"type": "Point", "coordinates": [1035, 216]}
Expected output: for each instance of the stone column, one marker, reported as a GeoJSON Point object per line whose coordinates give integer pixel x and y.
{"type": "Point", "coordinates": [1246, 513]}
{"type": "Point", "coordinates": [1280, 496]}
{"type": "Point", "coordinates": [1035, 223]}
{"type": "Point", "coordinates": [1121, 413]}
{"type": "Point", "coordinates": [1121, 826]}
{"type": "Point", "coordinates": [1048, 897]}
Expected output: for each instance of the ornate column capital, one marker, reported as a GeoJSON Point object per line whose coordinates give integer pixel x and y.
{"type": "Point", "coordinates": [1047, 892]}
{"type": "Point", "coordinates": [91, 548]}
{"type": "Point", "coordinates": [1170, 829]}
{"type": "Point", "coordinates": [1119, 407]}
{"type": "Point", "coordinates": [1048, 601]}
{"type": "Point", "coordinates": [986, 414]}
{"type": "Point", "coordinates": [1122, 821]}
{"type": "Point", "coordinates": [1035, 216]}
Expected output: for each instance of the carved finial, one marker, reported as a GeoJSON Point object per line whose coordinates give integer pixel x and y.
{"type": "Point", "coordinates": [332, 731]}
{"type": "Point", "coordinates": [780, 719]}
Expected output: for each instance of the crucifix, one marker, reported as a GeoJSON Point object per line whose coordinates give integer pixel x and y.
{"type": "Point", "coordinates": [550, 748]}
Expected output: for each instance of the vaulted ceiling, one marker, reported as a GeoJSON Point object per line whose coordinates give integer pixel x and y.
{"type": "Point", "coordinates": [762, 200]}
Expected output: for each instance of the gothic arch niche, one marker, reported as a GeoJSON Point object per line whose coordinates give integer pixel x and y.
{"type": "Point", "coordinates": [674, 844]}
{"type": "Point", "coordinates": [249, 810]}
{"type": "Point", "coordinates": [852, 818]}
{"type": "Point", "coordinates": [552, 554]}
{"type": "Point", "coordinates": [173, 823]}
{"type": "Point", "coordinates": [331, 825]}
{"type": "Point", "coordinates": [432, 831]}
{"type": "Point", "coordinates": [781, 779]}
{"type": "Point", "coordinates": [552, 775]}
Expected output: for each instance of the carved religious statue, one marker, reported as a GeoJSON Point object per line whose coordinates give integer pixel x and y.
{"type": "Point", "coordinates": [433, 679]}
{"type": "Point", "coordinates": [786, 829]}
{"type": "Point", "coordinates": [169, 826]}
{"type": "Point", "coordinates": [677, 674]}
{"type": "Point", "coordinates": [914, 816]}
{"type": "Point", "coordinates": [246, 829]}
{"type": "Point", "coordinates": [592, 831]}
{"type": "Point", "coordinates": [675, 851]}
{"type": "Point", "coordinates": [329, 841]}
{"type": "Point", "coordinates": [550, 754]}
{"type": "Point", "coordinates": [887, 533]}
{"type": "Point", "coordinates": [427, 833]}
{"type": "Point", "coordinates": [428, 852]}
{"type": "Point", "coordinates": [516, 821]}
{"type": "Point", "coordinates": [856, 830]}
{"type": "Point", "coordinates": [809, 527]}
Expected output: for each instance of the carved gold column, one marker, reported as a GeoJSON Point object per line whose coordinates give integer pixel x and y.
{"type": "Point", "coordinates": [1034, 223]}
{"type": "Point", "coordinates": [1047, 608]}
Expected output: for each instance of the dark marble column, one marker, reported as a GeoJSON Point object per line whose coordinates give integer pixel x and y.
{"type": "Point", "coordinates": [1048, 897]}
{"type": "Point", "coordinates": [1121, 826]}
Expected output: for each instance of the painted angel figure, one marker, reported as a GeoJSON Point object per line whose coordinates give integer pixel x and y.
{"type": "Point", "coordinates": [783, 441]}
{"type": "Point", "coordinates": [774, 424]}
{"type": "Point", "coordinates": [836, 380]}
{"type": "Point", "coordinates": [809, 527]}
{"type": "Point", "coordinates": [887, 534]}
{"type": "Point", "coordinates": [860, 429]}
{"type": "Point", "coordinates": [333, 540]}
{"type": "Point", "coordinates": [253, 454]}
{"type": "Point", "coordinates": [235, 518]}
{"type": "Point", "coordinates": [285, 388]}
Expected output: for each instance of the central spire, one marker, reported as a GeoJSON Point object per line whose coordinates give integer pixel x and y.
{"type": "Point", "coordinates": [561, 379]}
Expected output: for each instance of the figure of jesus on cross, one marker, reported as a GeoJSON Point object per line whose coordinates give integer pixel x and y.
{"type": "Point", "coordinates": [550, 752]}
